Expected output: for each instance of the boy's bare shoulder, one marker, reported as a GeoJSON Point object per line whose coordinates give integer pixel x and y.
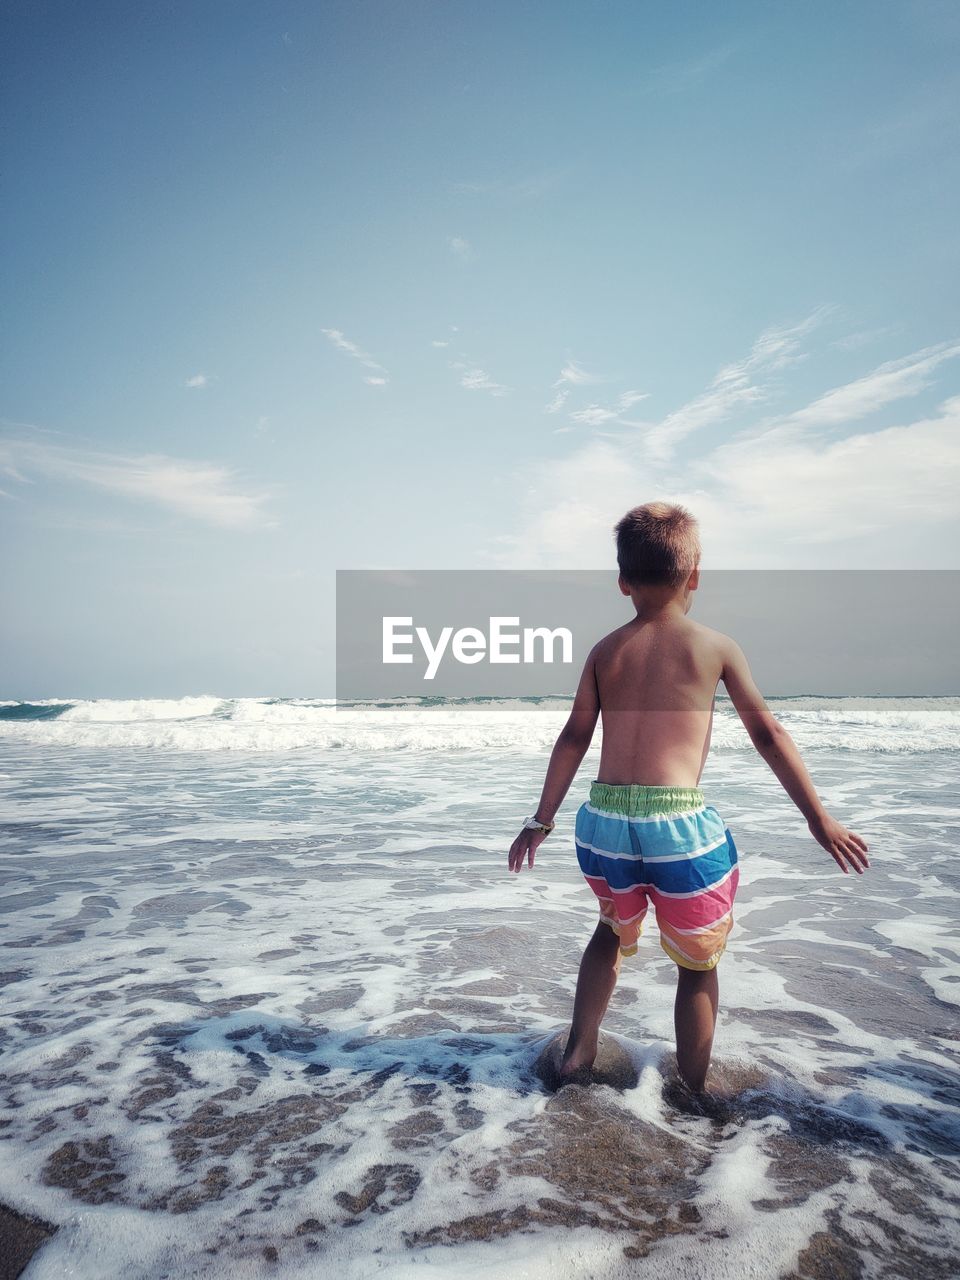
{"type": "Point", "coordinates": [612, 640]}
{"type": "Point", "coordinates": [722, 644]}
{"type": "Point", "coordinates": [686, 630]}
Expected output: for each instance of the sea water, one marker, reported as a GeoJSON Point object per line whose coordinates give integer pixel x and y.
{"type": "Point", "coordinates": [273, 1002]}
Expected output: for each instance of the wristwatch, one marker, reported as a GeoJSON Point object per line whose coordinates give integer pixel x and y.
{"type": "Point", "coordinates": [534, 824]}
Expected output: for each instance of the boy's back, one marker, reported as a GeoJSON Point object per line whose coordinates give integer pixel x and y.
{"type": "Point", "coordinates": [656, 681]}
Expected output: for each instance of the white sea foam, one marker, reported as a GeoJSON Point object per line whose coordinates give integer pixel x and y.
{"type": "Point", "coordinates": [137, 710]}
{"type": "Point", "coordinates": [211, 723]}
{"type": "Point", "coordinates": [251, 992]}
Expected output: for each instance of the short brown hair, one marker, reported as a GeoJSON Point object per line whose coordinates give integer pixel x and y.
{"type": "Point", "coordinates": [657, 543]}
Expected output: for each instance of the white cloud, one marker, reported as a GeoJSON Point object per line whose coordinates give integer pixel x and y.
{"type": "Point", "coordinates": [459, 246]}
{"type": "Point", "coordinates": [594, 415]}
{"type": "Point", "coordinates": [875, 484]}
{"type": "Point", "coordinates": [374, 380]}
{"type": "Point", "coordinates": [557, 403]}
{"type": "Point", "coordinates": [735, 386]}
{"type": "Point", "coordinates": [630, 397]}
{"type": "Point", "coordinates": [480, 380]}
{"type": "Point", "coordinates": [439, 342]}
{"type": "Point", "coordinates": [198, 380]}
{"type": "Point", "coordinates": [474, 378]}
{"type": "Point", "coordinates": [336, 337]}
{"type": "Point", "coordinates": [575, 375]}
{"type": "Point", "coordinates": [203, 491]}
{"type": "Point", "coordinates": [779, 497]}
{"type": "Point", "coordinates": [895, 380]}
{"type": "Point", "coordinates": [570, 509]}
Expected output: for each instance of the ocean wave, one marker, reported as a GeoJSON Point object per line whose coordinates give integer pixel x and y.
{"type": "Point", "coordinates": [212, 723]}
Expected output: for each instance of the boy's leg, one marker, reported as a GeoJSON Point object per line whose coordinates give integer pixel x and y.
{"type": "Point", "coordinates": [695, 1019]}
{"type": "Point", "coordinates": [599, 970]}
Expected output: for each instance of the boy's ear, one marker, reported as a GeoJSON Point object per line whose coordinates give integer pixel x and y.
{"type": "Point", "coordinates": [624, 589]}
{"type": "Point", "coordinates": [694, 580]}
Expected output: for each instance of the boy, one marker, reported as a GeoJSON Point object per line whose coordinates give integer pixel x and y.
{"type": "Point", "coordinates": [646, 834]}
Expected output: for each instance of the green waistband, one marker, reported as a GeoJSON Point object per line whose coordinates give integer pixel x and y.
{"type": "Point", "coordinates": [634, 801]}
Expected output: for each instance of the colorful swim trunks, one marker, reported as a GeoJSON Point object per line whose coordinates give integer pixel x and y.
{"type": "Point", "coordinates": [664, 845]}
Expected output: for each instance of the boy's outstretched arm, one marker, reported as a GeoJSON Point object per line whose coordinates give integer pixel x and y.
{"type": "Point", "coordinates": [779, 750]}
{"type": "Point", "coordinates": [568, 752]}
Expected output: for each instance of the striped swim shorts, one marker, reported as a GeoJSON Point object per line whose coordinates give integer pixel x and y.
{"type": "Point", "coordinates": [664, 845]}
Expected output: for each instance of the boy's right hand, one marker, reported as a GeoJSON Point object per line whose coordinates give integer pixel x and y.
{"type": "Point", "coordinates": [525, 846]}
{"type": "Point", "coordinates": [843, 846]}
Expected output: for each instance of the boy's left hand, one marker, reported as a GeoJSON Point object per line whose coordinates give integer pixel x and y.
{"type": "Point", "coordinates": [525, 846]}
{"type": "Point", "coordinates": [843, 846]}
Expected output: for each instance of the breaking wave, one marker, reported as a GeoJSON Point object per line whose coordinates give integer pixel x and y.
{"type": "Point", "coordinates": [210, 723]}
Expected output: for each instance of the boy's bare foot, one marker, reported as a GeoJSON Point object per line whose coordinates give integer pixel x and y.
{"type": "Point", "coordinates": [576, 1064]}
{"type": "Point", "coordinates": [699, 1102]}
{"type": "Point", "coordinates": [576, 1075]}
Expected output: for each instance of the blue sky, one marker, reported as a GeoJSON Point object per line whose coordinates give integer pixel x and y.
{"type": "Point", "coordinates": [298, 287]}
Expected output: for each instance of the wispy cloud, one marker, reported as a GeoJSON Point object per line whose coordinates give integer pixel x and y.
{"type": "Point", "coordinates": [736, 385]}
{"type": "Point", "coordinates": [462, 248]}
{"type": "Point", "coordinates": [341, 343]}
{"type": "Point", "coordinates": [630, 398]}
{"type": "Point", "coordinates": [596, 415]}
{"type": "Point", "coordinates": [473, 377]}
{"type": "Point", "coordinates": [687, 73]}
{"type": "Point", "coordinates": [480, 380]}
{"type": "Point", "coordinates": [200, 490]}
{"type": "Point", "coordinates": [7, 469]}
{"type": "Point", "coordinates": [529, 187]}
{"type": "Point", "coordinates": [198, 380]}
{"type": "Point", "coordinates": [895, 380]}
{"type": "Point", "coordinates": [574, 375]}
{"type": "Point", "coordinates": [445, 342]}
{"type": "Point", "coordinates": [863, 338]}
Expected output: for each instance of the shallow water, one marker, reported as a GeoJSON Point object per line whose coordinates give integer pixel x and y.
{"type": "Point", "coordinates": [286, 1004]}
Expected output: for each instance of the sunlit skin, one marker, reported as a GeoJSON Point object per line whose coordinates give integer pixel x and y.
{"type": "Point", "coordinates": [652, 683]}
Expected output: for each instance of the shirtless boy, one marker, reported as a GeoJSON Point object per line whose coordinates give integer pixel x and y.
{"type": "Point", "coordinates": [646, 833]}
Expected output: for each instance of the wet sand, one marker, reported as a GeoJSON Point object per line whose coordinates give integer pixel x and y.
{"type": "Point", "coordinates": [20, 1238]}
